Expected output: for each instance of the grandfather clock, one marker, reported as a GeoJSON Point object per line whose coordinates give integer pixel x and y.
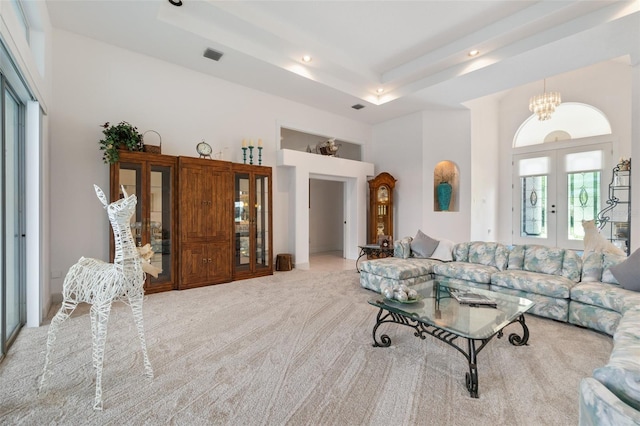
{"type": "Point", "coordinates": [381, 207]}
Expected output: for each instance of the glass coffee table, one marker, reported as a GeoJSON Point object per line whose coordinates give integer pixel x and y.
{"type": "Point", "coordinates": [437, 313]}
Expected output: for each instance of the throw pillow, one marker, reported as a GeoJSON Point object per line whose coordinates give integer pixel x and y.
{"type": "Point", "coordinates": [627, 273]}
{"type": "Point", "coordinates": [423, 245]}
{"type": "Point", "coordinates": [591, 267]}
{"type": "Point", "coordinates": [516, 257]}
{"type": "Point", "coordinates": [609, 261]}
{"type": "Point", "coordinates": [461, 252]}
{"type": "Point", "coordinates": [402, 248]}
{"type": "Point", "coordinates": [444, 251]}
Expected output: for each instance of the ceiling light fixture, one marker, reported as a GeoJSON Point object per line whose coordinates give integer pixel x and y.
{"type": "Point", "coordinates": [474, 52]}
{"type": "Point", "coordinates": [544, 105]}
{"type": "Point", "coordinates": [379, 90]}
{"type": "Point", "coordinates": [306, 58]}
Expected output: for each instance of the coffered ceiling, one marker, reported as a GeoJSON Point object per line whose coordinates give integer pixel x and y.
{"type": "Point", "coordinates": [415, 52]}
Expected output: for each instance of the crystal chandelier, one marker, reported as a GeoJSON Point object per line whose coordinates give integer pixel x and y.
{"type": "Point", "coordinates": [544, 105]}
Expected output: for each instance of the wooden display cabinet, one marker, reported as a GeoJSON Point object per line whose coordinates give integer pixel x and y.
{"type": "Point", "coordinates": [152, 177]}
{"type": "Point", "coordinates": [381, 207]}
{"type": "Point", "coordinates": [252, 221]}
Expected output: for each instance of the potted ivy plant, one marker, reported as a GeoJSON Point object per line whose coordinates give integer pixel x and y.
{"type": "Point", "coordinates": [121, 136]}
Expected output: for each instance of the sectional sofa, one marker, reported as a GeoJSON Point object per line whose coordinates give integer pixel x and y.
{"type": "Point", "coordinates": [564, 286]}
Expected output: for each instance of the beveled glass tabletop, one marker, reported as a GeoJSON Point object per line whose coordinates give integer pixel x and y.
{"type": "Point", "coordinates": [436, 307]}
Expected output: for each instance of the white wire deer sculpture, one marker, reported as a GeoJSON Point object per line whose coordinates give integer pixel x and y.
{"type": "Point", "coordinates": [100, 284]}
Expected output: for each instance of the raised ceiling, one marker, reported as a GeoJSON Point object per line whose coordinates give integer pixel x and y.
{"type": "Point", "coordinates": [416, 51]}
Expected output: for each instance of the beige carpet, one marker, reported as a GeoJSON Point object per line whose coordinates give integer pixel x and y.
{"type": "Point", "coordinates": [293, 348]}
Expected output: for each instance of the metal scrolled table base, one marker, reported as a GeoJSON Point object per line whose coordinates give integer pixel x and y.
{"type": "Point", "coordinates": [470, 353]}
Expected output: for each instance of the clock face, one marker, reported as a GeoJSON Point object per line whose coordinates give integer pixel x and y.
{"type": "Point", "coordinates": [383, 194]}
{"type": "Point", "coordinates": [203, 148]}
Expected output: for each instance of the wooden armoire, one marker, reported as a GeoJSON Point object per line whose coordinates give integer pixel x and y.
{"type": "Point", "coordinates": [205, 210]}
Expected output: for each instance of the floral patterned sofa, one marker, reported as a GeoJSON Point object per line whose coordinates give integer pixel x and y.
{"type": "Point", "coordinates": [612, 395]}
{"type": "Point", "coordinates": [564, 287]}
{"type": "Point", "coordinates": [598, 301]}
{"type": "Point", "coordinates": [542, 274]}
{"type": "Point", "coordinates": [391, 271]}
{"type": "Point", "coordinates": [402, 268]}
{"type": "Point", "coordinates": [474, 264]}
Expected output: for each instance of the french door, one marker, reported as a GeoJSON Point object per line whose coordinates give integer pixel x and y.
{"type": "Point", "coordinates": [555, 190]}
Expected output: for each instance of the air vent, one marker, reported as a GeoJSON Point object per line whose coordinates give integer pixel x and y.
{"type": "Point", "coordinates": [357, 106]}
{"type": "Point", "coordinates": [213, 54]}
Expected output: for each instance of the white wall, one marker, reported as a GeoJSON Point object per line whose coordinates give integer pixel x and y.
{"type": "Point", "coordinates": [409, 149]}
{"type": "Point", "coordinates": [396, 148]}
{"type": "Point", "coordinates": [96, 82]}
{"type": "Point", "coordinates": [447, 136]}
{"type": "Point", "coordinates": [607, 86]}
{"type": "Point", "coordinates": [484, 167]}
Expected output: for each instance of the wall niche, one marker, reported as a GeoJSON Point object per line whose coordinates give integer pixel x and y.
{"type": "Point", "coordinates": [307, 142]}
{"type": "Point", "coordinates": [446, 187]}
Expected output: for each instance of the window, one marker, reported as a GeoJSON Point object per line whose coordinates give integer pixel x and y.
{"type": "Point", "coordinates": [583, 189]}
{"type": "Point", "coordinates": [22, 18]}
{"type": "Point", "coordinates": [571, 120]}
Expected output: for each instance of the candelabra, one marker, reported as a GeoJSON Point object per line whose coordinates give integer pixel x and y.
{"type": "Point", "coordinates": [244, 154]}
{"type": "Point", "coordinates": [259, 155]}
{"type": "Point", "coordinates": [250, 154]}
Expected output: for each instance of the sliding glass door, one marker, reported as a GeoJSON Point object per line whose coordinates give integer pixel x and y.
{"type": "Point", "coordinates": [12, 229]}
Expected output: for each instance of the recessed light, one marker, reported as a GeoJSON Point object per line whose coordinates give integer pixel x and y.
{"type": "Point", "coordinates": [474, 52]}
{"type": "Point", "coordinates": [306, 58]}
{"type": "Point", "coordinates": [379, 90]}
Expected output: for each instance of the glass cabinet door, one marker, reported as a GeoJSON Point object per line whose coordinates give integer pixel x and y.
{"type": "Point", "coordinates": [252, 222]}
{"type": "Point", "coordinates": [152, 182]}
{"type": "Point", "coordinates": [261, 213]}
{"type": "Point", "coordinates": [242, 221]}
{"type": "Point", "coordinates": [131, 179]}
{"type": "Point", "coordinates": [159, 222]}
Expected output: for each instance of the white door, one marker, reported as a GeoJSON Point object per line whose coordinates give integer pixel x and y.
{"type": "Point", "coordinates": [555, 190]}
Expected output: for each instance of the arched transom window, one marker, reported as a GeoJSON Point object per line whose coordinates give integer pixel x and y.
{"type": "Point", "coordinates": [571, 120]}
